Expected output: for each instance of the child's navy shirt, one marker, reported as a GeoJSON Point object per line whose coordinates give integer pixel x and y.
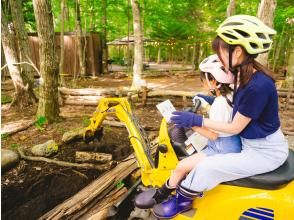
{"type": "Point", "coordinates": [258, 100]}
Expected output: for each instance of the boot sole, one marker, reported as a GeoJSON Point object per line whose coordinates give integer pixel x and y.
{"type": "Point", "coordinates": [170, 216]}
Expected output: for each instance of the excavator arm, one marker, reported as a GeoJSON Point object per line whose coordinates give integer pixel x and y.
{"type": "Point", "coordinates": [153, 171]}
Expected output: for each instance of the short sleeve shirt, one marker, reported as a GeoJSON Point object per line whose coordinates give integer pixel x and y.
{"type": "Point", "coordinates": [258, 100]}
{"type": "Point", "coordinates": [221, 111]}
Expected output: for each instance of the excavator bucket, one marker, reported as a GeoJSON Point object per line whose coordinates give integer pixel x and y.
{"type": "Point", "coordinates": [90, 136]}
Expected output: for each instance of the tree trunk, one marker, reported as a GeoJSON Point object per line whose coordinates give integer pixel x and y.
{"type": "Point", "coordinates": [9, 49]}
{"type": "Point", "coordinates": [197, 48]}
{"type": "Point", "coordinates": [61, 61]}
{"type": "Point", "coordinates": [277, 49]}
{"type": "Point", "coordinates": [130, 61]}
{"type": "Point", "coordinates": [186, 55]}
{"type": "Point", "coordinates": [104, 23]}
{"type": "Point", "coordinates": [48, 102]}
{"type": "Point", "coordinates": [200, 52]}
{"type": "Point", "coordinates": [158, 54]}
{"type": "Point", "coordinates": [266, 11]}
{"type": "Point", "coordinates": [79, 39]}
{"type": "Point", "coordinates": [231, 8]}
{"type": "Point", "coordinates": [66, 14]}
{"type": "Point", "coordinates": [193, 58]}
{"type": "Point", "coordinates": [138, 54]}
{"type": "Point", "coordinates": [23, 45]}
{"type": "Point", "coordinates": [290, 72]}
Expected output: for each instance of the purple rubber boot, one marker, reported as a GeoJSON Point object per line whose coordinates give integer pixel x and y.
{"type": "Point", "coordinates": [178, 203]}
{"type": "Point", "coordinates": [150, 197]}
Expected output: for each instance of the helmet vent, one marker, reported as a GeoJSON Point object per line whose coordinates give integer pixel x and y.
{"type": "Point", "coordinates": [251, 22]}
{"type": "Point", "coordinates": [230, 36]}
{"type": "Point", "coordinates": [271, 36]}
{"type": "Point", "coordinates": [253, 45]}
{"type": "Point", "coordinates": [265, 46]}
{"type": "Point", "coordinates": [232, 24]}
{"type": "Point", "coordinates": [261, 35]}
{"type": "Point", "coordinates": [243, 33]}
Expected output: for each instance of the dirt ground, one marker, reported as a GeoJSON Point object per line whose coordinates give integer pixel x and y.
{"type": "Point", "coordinates": [32, 188]}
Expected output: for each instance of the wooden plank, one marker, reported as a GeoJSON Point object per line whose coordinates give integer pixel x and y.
{"type": "Point", "coordinates": [93, 157]}
{"type": "Point", "coordinates": [14, 127]}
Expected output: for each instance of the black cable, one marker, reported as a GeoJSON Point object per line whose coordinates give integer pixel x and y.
{"type": "Point", "coordinates": [140, 129]}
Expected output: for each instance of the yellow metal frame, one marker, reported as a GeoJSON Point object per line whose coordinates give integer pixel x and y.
{"type": "Point", "coordinates": [226, 202]}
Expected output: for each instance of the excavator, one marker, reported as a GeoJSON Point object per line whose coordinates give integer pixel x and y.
{"type": "Point", "coordinates": [268, 196]}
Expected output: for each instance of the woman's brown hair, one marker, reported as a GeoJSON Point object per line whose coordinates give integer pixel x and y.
{"type": "Point", "coordinates": [246, 70]}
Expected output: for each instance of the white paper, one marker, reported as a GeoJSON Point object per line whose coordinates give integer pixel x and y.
{"type": "Point", "coordinates": [197, 141]}
{"type": "Point", "coordinates": [190, 149]}
{"type": "Point", "coordinates": [166, 109]}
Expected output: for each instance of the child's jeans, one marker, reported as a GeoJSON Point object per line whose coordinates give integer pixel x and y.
{"type": "Point", "coordinates": [223, 145]}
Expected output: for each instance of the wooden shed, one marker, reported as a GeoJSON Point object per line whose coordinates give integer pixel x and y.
{"type": "Point", "coordinates": [93, 52]}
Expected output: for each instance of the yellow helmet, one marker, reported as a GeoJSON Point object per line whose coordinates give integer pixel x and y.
{"type": "Point", "coordinates": [248, 31]}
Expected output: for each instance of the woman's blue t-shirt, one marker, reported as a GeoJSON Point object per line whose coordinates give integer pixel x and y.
{"type": "Point", "coordinates": [258, 100]}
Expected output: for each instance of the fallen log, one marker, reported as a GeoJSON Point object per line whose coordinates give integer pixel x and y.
{"type": "Point", "coordinates": [85, 92]}
{"type": "Point", "coordinates": [113, 123]}
{"type": "Point", "coordinates": [171, 93]}
{"type": "Point", "coordinates": [72, 135]}
{"type": "Point", "coordinates": [92, 157]}
{"type": "Point", "coordinates": [96, 91]}
{"type": "Point", "coordinates": [14, 127]}
{"type": "Point", "coordinates": [106, 182]}
{"type": "Point", "coordinates": [7, 88]}
{"type": "Point", "coordinates": [81, 101]}
{"type": "Point", "coordinates": [290, 133]}
{"type": "Point", "coordinates": [100, 211]}
{"type": "Point", "coordinates": [86, 97]}
{"type": "Point", "coordinates": [285, 94]}
{"type": "Point", "coordinates": [74, 115]}
{"type": "Point", "coordinates": [102, 167]}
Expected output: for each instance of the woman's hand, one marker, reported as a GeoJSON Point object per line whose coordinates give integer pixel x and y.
{"type": "Point", "coordinates": [186, 119]}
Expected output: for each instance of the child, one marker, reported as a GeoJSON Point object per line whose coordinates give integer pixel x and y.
{"type": "Point", "coordinates": [217, 82]}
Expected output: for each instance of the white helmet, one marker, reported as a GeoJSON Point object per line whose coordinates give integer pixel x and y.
{"type": "Point", "coordinates": [213, 66]}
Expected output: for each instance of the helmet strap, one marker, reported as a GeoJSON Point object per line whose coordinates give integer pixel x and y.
{"type": "Point", "coordinates": [234, 70]}
{"type": "Point", "coordinates": [211, 89]}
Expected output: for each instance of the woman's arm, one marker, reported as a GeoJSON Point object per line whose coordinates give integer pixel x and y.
{"type": "Point", "coordinates": [235, 127]}
{"type": "Point", "coordinates": [206, 133]}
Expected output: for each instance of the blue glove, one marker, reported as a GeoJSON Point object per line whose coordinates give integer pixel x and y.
{"type": "Point", "coordinates": [186, 119]}
{"type": "Point", "coordinates": [209, 99]}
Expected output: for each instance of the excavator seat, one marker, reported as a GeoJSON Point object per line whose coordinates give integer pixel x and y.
{"type": "Point", "coordinates": [271, 180]}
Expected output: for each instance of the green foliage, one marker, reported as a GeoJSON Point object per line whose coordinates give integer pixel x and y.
{"type": "Point", "coordinates": [14, 146]}
{"type": "Point", "coordinates": [86, 121]}
{"type": "Point", "coordinates": [172, 24]}
{"type": "Point", "coordinates": [41, 122]}
{"type": "Point", "coordinates": [5, 99]}
{"type": "Point", "coordinates": [29, 17]}
{"type": "Point", "coordinates": [120, 184]}
{"type": "Point", "coordinates": [107, 129]}
{"type": "Point", "coordinates": [4, 136]}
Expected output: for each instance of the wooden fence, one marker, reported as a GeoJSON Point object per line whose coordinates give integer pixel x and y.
{"type": "Point", "coordinates": [93, 53]}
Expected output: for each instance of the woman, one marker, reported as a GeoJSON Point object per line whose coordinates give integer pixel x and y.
{"type": "Point", "coordinates": [255, 116]}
